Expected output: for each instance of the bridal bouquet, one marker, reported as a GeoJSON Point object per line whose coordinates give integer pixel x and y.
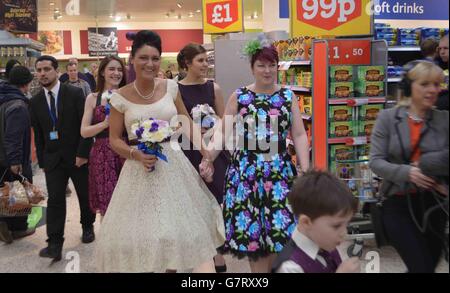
{"type": "Point", "coordinates": [205, 115]}
{"type": "Point", "coordinates": [150, 134]}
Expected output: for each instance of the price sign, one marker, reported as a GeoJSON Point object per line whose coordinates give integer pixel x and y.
{"type": "Point", "coordinates": [330, 18]}
{"type": "Point", "coordinates": [349, 52]}
{"type": "Point", "coordinates": [222, 16]}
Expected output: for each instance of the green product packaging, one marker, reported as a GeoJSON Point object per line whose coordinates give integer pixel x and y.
{"type": "Point", "coordinates": [341, 73]}
{"type": "Point", "coordinates": [369, 88]}
{"type": "Point", "coordinates": [341, 90]}
{"type": "Point", "coordinates": [371, 73]}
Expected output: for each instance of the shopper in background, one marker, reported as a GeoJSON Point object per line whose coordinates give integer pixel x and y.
{"type": "Point", "coordinates": [161, 74]}
{"type": "Point", "coordinates": [323, 206]}
{"type": "Point", "coordinates": [195, 90]}
{"type": "Point", "coordinates": [428, 48]}
{"type": "Point", "coordinates": [56, 114]}
{"type": "Point", "coordinates": [409, 150]}
{"type": "Point", "coordinates": [35, 86]}
{"type": "Point", "coordinates": [74, 80]}
{"type": "Point", "coordinates": [259, 222]}
{"type": "Point", "coordinates": [9, 66]}
{"type": "Point", "coordinates": [104, 163]}
{"type": "Point", "coordinates": [180, 75]}
{"type": "Point", "coordinates": [165, 220]}
{"type": "Point", "coordinates": [65, 76]}
{"type": "Point", "coordinates": [169, 74]}
{"type": "Point", "coordinates": [92, 76]}
{"type": "Point", "coordinates": [15, 143]}
{"type": "Point", "coordinates": [442, 103]}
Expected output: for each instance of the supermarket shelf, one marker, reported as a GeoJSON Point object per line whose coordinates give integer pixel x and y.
{"type": "Point", "coordinates": [377, 100]}
{"type": "Point", "coordinates": [404, 49]}
{"type": "Point", "coordinates": [394, 79]}
{"type": "Point", "coordinates": [296, 88]}
{"type": "Point", "coordinates": [358, 140]}
{"type": "Point", "coordinates": [298, 62]}
{"type": "Point", "coordinates": [210, 66]}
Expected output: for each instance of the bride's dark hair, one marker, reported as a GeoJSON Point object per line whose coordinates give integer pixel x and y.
{"type": "Point", "coordinates": [143, 38]}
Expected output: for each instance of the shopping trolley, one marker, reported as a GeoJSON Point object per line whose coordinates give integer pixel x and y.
{"type": "Point", "coordinates": [364, 186]}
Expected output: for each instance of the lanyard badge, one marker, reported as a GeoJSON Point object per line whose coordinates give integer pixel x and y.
{"type": "Point", "coordinates": [53, 134]}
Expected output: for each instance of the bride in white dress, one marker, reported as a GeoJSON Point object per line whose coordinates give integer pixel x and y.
{"type": "Point", "coordinates": [160, 221]}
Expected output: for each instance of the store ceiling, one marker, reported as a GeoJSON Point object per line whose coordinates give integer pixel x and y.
{"type": "Point", "coordinates": [135, 10]}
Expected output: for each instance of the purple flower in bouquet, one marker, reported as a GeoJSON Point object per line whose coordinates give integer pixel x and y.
{"type": "Point", "coordinates": [150, 134]}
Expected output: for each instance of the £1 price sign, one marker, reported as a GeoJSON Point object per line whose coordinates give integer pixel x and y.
{"type": "Point", "coordinates": [330, 17]}
{"type": "Point", "coordinates": [349, 52]}
{"type": "Point", "coordinates": [222, 16]}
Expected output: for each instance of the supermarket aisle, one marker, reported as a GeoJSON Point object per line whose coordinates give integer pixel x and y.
{"type": "Point", "coordinates": [22, 255]}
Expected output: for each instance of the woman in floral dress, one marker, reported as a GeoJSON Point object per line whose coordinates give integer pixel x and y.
{"type": "Point", "coordinates": [258, 218]}
{"type": "Point", "coordinates": [104, 164]}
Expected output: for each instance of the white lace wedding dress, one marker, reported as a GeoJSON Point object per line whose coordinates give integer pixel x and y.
{"type": "Point", "coordinates": [165, 219]}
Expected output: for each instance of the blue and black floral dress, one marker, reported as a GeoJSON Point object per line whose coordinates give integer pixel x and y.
{"type": "Point", "coordinates": [258, 218]}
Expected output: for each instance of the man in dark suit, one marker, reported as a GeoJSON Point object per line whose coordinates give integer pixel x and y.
{"type": "Point", "coordinates": [56, 113]}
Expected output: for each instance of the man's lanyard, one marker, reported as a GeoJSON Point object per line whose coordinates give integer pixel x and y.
{"type": "Point", "coordinates": [54, 117]}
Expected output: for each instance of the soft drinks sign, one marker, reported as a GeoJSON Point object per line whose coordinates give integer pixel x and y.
{"type": "Point", "coordinates": [331, 17]}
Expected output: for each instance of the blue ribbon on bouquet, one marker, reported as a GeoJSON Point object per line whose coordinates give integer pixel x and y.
{"type": "Point", "coordinates": [149, 151]}
{"type": "Point", "coordinates": [107, 109]}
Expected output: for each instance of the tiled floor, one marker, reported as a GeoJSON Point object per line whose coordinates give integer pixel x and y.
{"type": "Point", "coordinates": [22, 255]}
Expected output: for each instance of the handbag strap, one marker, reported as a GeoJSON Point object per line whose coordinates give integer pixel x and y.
{"type": "Point", "coordinates": [3, 176]}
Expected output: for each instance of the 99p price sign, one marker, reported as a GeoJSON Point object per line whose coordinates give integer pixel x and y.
{"type": "Point", "coordinates": [330, 17]}
{"type": "Point", "coordinates": [222, 16]}
{"type": "Point", "coordinates": [349, 52]}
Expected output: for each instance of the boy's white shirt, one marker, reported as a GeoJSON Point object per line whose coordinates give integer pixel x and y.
{"type": "Point", "coordinates": [309, 247]}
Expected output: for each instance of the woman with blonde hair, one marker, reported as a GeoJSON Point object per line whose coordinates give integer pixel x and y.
{"type": "Point", "coordinates": [409, 149]}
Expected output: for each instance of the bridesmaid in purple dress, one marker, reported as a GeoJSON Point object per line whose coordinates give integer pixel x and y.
{"type": "Point", "coordinates": [195, 90]}
{"type": "Point", "coordinates": [104, 164]}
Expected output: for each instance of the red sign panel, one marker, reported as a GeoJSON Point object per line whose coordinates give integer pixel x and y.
{"type": "Point", "coordinates": [349, 52]}
{"type": "Point", "coordinates": [329, 14]}
{"type": "Point", "coordinates": [222, 14]}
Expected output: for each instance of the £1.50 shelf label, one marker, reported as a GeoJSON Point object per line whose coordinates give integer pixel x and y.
{"type": "Point", "coordinates": [331, 17]}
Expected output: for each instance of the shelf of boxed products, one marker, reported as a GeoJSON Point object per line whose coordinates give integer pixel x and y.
{"type": "Point", "coordinates": [357, 101]}
{"type": "Point", "coordinates": [404, 49]}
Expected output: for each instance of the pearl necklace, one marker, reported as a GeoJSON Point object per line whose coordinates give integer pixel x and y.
{"type": "Point", "coordinates": [147, 97]}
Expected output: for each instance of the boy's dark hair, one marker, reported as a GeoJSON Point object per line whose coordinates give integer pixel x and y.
{"type": "Point", "coordinates": [318, 193]}
{"type": "Point", "coordinates": [48, 58]}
